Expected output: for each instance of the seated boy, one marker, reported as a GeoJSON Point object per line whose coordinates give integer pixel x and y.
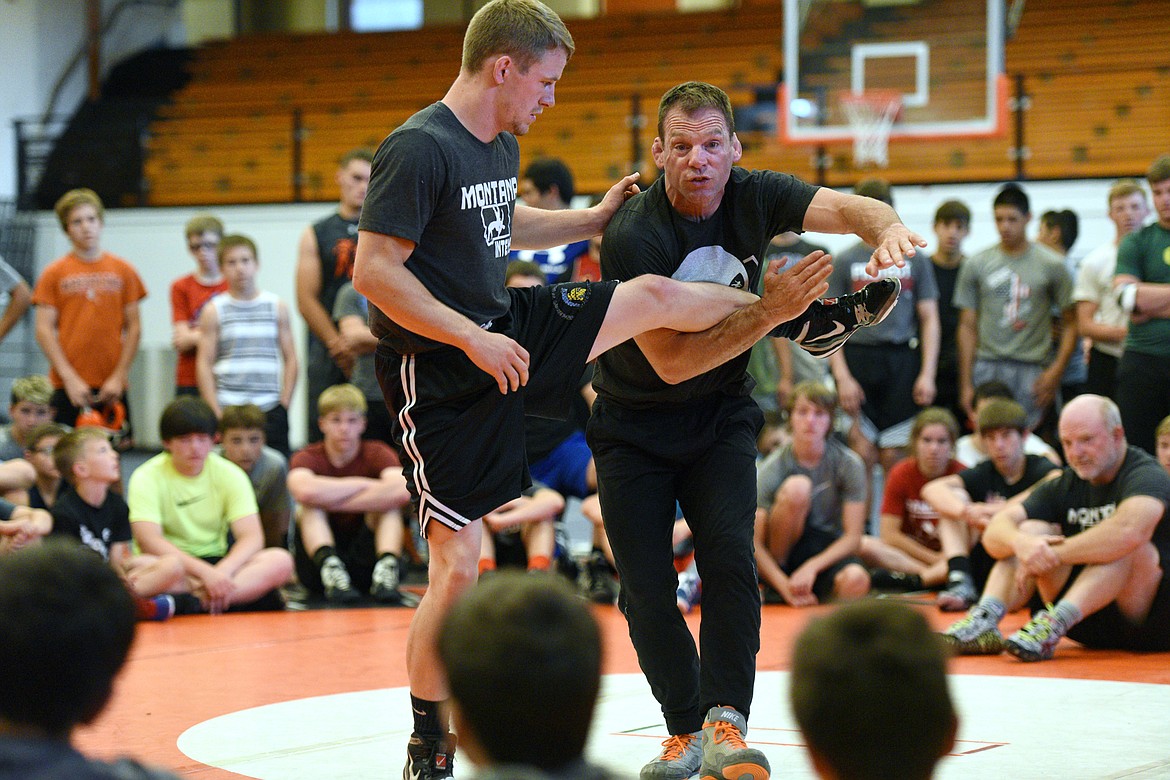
{"type": "Point", "coordinates": [29, 408]}
{"type": "Point", "coordinates": [350, 493]}
{"type": "Point", "coordinates": [966, 501]}
{"type": "Point", "coordinates": [528, 519]}
{"type": "Point", "coordinates": [60, 596]}
{"type": "Point", "coordinates": [810, 515]}
{"type": "Point", "coordinates": [190, 501]}
{"type": "Point", "coordinates": [39, 454]}
{"type": "Point", "coordinates": [241, 431]}
{"type": "Point", "coordinates": [89, 511]}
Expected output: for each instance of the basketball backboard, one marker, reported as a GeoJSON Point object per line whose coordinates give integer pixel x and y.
{"type": "Point", "coordinates": [944, 57]}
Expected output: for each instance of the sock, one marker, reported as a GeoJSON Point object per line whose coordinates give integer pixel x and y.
{"type": "Point", "coordinates": [392, 556]}
{"type": "Point", "coordinates": [486, 564]}
{"type": "Point", "coordinates": [539, 563]}
{"type": "Point", "coordinates": [993, 606]}
{"type": "Point", "coordinates": [1067, 613]}
{"type": "Point", "coordinates": [960, 564]}
{"type": "Point", "coordinates": [426, 718]}
{"type": "Point", "coordinates": [323, 552]}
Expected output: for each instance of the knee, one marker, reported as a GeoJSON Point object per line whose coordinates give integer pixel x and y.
{"type": "Point", "coordinates": [795, 491]}
{"type": "Point", "coordinates": [1146, 561]}
{"type": "Point", "coordinates": [656, 291]}
{"type": "Point", "coordinates": [794, 496]}
{"type": "Point", "coordinates": [852, 582]}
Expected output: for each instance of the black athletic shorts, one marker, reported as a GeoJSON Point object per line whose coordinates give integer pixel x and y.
{"type": "Point", "coordinates": [812, 543]}
{"type": "Point", "coordinates": [461, 440]}
{"type": "Point", "coordinates": [1108, 629]}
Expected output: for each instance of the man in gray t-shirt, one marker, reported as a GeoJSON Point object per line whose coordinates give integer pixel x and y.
{"type": "Point", "coordinates": [1006, 295]}
{"type": "Point", "coordinates": [886, 374]}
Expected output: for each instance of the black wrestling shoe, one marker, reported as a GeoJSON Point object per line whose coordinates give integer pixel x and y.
{"type": "Point", "coordinates": [429, 759]}
{"type": "Point", "coordinates": [828, 323]}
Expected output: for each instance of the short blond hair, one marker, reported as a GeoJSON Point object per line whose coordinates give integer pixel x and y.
{"type": "Point", "coordinates": [1163, 428]}
{"type": "Point", "coordinates": [341, 398]}
{"type": "Point", "coordinates": [204, 223]}
{"type": "Point", "coordinates": [34, 388]}
{"type": "Point", "coordinates": [74, 198]}
{"type": "Point", "coordinates": [71, 445]}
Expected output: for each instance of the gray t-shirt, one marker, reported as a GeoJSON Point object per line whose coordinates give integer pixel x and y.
{"type": "Point", "coordinates": [437, 185]}
{"type": "Point", "coordinates": [9, 277]}
{"type": "Point", "coordinates": [839, 477]}
{"type": "Point", "coordinates": [351, 303]}
{"type": "Point", "coordinates": [918, 284]}
{"type": "Point", "coordinates": [9, 448]}
{"type": "Point", "coordinates": [269, 478]}
{"type": "Point", "coordinates": [1014, 298]}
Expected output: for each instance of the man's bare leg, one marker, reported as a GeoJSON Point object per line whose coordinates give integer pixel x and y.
{"type": "Point", "coordinates": [454, 557]}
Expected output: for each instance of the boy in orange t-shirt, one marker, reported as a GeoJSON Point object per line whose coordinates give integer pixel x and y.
{"type": "Point", "coordinates": [87, 316]}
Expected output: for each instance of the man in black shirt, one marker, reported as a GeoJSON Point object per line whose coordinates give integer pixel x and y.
{"type": "Point", "coordinates": [1093, 539]}
{"type": "Point", "coordinates": [675, 421]}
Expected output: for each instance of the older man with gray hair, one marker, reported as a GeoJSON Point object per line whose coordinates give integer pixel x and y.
{"type": "Point", "coordinates": [1094, 541]}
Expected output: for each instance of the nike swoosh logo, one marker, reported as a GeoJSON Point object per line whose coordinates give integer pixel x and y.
{"type": "Point", "coordinates": [188, 501]}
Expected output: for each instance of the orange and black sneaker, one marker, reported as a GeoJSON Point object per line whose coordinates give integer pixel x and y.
{"type": "Point", "coordinates": [429, 759]}
{"type": "Point", "coordinates": [726, 756]}
{"type": "Point", "coordinates": [680, 758]}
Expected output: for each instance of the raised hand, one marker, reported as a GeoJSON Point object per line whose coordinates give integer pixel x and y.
{"type": "Point", "coordinates": [787, 294]}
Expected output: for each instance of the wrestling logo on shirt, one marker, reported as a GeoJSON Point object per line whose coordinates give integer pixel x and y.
{"type": "Point", "coordinates": [494, 200]}
{"type": "Point", "coordinates": [715, 264]}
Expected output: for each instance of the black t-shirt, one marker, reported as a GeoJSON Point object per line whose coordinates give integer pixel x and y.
{"type": "Point", "coordinates": [336, 246]}
{"type": "Point", "coordinates": [948, 320]}
{"type": "Point", "coordinates": [436, 184]}
{"type": "Point", "coordinates": [97, 527]}
{"type": "Point", "coordinates": [983, 483]}
{"type": "Point", "coordinates": [1077, 506]}
{"type": "Point", "coordinates": [648, 236]}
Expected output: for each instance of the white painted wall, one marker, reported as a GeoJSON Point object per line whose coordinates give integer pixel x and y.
{"type": "Point", "coordinates": [153, 240]}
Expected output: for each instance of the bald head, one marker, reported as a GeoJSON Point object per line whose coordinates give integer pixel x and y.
{"type": "Point", "coordinates": [1092, 407]}
{"type": "Point", "coordinates": [1092, 437]}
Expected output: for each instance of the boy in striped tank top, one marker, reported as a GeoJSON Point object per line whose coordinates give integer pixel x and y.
{"type": "Point", "coordinates": [246, 353]}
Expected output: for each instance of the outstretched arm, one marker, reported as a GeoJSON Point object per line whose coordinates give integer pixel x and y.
{"type": "Point", "coordinates": [874, 222]}
{"type": "Point", "coordinates": [534, 228]}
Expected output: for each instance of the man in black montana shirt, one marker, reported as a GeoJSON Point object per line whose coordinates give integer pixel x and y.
{"type": "Point", "coordinates": [1095, 541]}
{"type": "Point", "coordinates": [675, 421]}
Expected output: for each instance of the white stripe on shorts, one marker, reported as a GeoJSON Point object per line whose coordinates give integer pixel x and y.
{"type": "Point", "coordinates": [406, 375]}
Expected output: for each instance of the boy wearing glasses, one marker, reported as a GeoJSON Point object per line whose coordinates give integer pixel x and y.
{"type": "Point", "coordinates": [189, 293]}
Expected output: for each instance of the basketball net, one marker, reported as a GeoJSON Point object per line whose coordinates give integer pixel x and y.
{"type": "Point", "coordinates": [871, 115]}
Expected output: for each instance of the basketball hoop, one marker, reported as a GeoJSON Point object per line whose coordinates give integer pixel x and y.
{"type": "Point", "coordinates": [871, 115]}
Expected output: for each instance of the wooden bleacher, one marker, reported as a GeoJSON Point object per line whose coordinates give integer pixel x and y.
{"type": "Point", "coordinates": [1099, 99]}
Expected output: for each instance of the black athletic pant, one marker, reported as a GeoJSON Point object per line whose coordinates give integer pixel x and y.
{"type": "Point", "coordinates": [1143, 395]}
{"type": "Point", "coordinates": [703, 456]}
